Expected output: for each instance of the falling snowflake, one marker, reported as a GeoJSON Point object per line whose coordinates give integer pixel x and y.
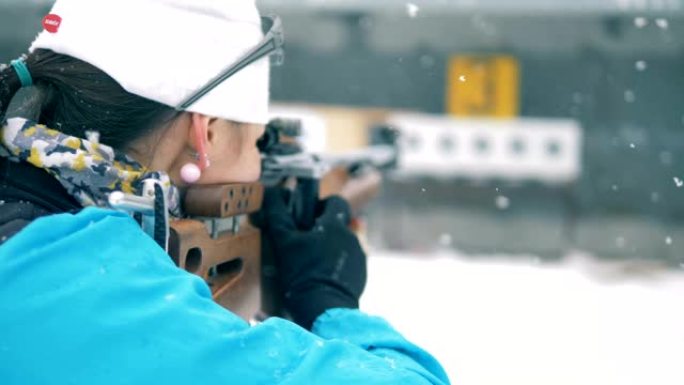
{"type": "Point", "coordinates": [445, 240]}
{"type": "Point", "coordinates": [502, 202]}
{"type": "Point", "coordinates": [391, 362]}
{"type": "Point", "coordinates": [427, 61]}
{"type": "Point", "coordinates": [632, 145]}
{"type": "Point", "coordinates": [678, 182]}
{"type": "Point", "coordinates": [641, 65]}
{"type": "Point", "coordinates": [462, 78]}
{"type": "Point", "coordinates": [662, 23]}
{"type": "Point", "coordinates": [640, 22]}
{"type": "Point", "coordinates": [577, 98]}
{"type": "Point", "coordinates": [412, 10]}
{"type": "Point", "coordinates": [93, 136]}
{"type": "Point", "coordinates": [630, 97]}
{"type": "Point", "coordinates": [666, 158]}
{"type": "Point", "coordinates": [655, 197]}
{"type": "Point", "coordinates": [668, 240]}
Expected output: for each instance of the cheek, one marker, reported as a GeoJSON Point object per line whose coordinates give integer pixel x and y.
{"type": "Point", "coordinates": [227, 154]}
{"type": "Point", "coordinates": [249, 156]}
{"type": "Point", "coordinates": [251, 165]}
{"type": "Point", "coordinates": [237, 161]}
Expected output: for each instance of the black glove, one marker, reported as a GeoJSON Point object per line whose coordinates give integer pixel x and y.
{"type": "Point", "coordinates": [319, 269]}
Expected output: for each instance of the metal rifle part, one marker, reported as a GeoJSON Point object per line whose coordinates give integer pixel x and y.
{"type": "Point", "coordinates": [379, 156]}
{"type": "Point", "coordinates": [131, 204]}
{"type": "Point", "coordinates": [144, 205]}
{"type": "Point", "coordinates": [284, 160]}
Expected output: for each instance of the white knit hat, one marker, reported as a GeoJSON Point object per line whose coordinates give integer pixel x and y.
{"type": "Point", "coordinates": [165, 50]}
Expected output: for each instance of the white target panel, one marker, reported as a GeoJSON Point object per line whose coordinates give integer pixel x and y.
{"type": "Point", "coordinates": [545, 150]}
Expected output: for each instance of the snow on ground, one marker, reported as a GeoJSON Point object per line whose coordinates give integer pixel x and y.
{"type": "Point", "coordinates": [512, 321]}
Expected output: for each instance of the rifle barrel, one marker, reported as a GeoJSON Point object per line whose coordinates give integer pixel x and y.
{"type": "Point", "coordinates": [377, 156]}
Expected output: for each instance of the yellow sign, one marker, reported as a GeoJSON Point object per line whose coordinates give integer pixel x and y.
{"type": "Point", "coordinates": [483, 86]}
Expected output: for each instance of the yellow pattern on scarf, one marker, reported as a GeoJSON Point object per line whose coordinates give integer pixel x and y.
{"type": "Point", "coordinates": [73, 143]}
{"type": "Point", "coordinates": [35, 159]}
{"type": "Point", "coordinates": [79, 162]}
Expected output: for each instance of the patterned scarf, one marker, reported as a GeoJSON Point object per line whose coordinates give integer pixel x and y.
{"type": "Point", "coordinates": [89, 171]}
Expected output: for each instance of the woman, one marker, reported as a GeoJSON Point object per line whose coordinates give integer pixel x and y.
{"type": "Point", "coordinates": [124, 94]}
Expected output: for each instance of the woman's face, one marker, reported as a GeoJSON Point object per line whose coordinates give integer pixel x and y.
{"type": "Point", "coordinates": [230, 147]}
{"type": "Point", "coordinates": [232, 152]}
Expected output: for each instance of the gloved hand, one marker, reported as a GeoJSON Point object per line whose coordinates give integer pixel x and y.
{"type": "Point", "coordinates": [319, 269]}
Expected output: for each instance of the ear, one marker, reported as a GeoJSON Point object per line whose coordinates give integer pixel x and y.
{"type": "Point", "coordinates": [214, 124]}
{"type": "Point", "coordinates": [199, 137]}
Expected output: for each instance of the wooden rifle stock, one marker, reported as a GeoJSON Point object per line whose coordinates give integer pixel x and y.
{"type": "Point", "coordinates": [219, 244]}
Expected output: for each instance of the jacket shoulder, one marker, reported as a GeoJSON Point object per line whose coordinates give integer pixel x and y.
{"type": "Point", "coordinates": [28, 193]}
{"type": "Point", "coordinates": [86, 231]}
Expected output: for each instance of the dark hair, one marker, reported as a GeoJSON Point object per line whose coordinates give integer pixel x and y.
{"type": "Point", "coordinates": [75, 97]}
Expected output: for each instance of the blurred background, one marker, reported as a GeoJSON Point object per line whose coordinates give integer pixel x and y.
{"type": "Point", "coordinates": [533, 229]}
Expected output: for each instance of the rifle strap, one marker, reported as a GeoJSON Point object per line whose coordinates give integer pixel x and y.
{"type": "Point", "coordinates": [161, 217]}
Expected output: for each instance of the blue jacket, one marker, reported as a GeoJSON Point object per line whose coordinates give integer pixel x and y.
{"type": "Point", "coordinates": [90, 299]}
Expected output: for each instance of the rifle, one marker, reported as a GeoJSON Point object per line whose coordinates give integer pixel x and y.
{"type": "Point", "coordinates": [354, 175]}
{"type": "Point", "coordinates": [218, 239]}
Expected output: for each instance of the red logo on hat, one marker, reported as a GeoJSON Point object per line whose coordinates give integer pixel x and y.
{"type": "Point", "coordinates": [52, 22]}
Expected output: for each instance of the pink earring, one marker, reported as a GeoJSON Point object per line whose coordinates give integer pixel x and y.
{"type": "Point", "coordinates": [191, 172]}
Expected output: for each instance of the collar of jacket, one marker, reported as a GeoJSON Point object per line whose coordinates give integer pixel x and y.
{"type": "Point", "coordinates": [20, 181]}
{"type": "Point", "coordinates": [27, 193]}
